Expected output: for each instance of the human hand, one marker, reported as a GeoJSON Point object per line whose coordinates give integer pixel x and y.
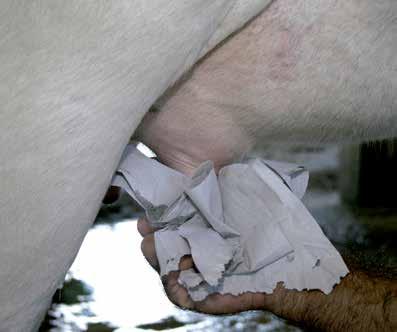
{"type": "Point", "coordinates": [213, 304]}
{"type": "Point", "coordinates": [347, 308]}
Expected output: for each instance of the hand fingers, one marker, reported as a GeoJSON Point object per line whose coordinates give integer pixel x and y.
{"type": "Point", "coordinates": [213, 304]}
{"type": "Point", "coordinates": [186, 263]}
{"type": "Point", "coordinates": [177, 293]}
{"type": "Point", "coordinates": [218, 304]}
{"type": "Point", "coordinates": [112, 195]}
{"type": "Point", "coordinates": [149, 251]}
{"type": "Point", "coordinates": [144, 227]}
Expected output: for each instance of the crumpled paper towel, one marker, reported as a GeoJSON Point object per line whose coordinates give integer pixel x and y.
{"type": "Point", "coordinates": [246, 228]}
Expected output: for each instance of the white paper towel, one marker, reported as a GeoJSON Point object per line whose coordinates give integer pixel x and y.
{"type": "Point", "coordinates": [246, 229]}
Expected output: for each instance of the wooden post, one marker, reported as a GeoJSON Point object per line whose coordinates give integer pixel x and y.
{"type": "Point", "coordinates": [368, 175]}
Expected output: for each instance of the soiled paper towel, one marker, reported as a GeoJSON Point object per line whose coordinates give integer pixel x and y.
{"type": "Point", "coordinates": [246, 229]}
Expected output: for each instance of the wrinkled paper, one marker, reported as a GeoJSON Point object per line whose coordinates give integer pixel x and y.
{"type": "Point", "coordinates": [246, 229]}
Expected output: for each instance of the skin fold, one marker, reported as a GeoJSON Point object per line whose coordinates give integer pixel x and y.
{"type": "Point", "coordinates": [302, 71]}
